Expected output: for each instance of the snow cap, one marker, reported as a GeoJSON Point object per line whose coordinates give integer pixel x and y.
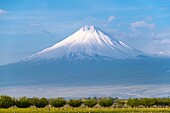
{"type": "Point", "coordinates": [88, 28]}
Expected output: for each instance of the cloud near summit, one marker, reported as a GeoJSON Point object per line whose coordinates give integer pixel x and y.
{"type": "Point", "coordinates": [110, 19]}
{"type": "Point", "coordinates": [2, 11]}
{"type": "Point", "coordinates": [142, 24]}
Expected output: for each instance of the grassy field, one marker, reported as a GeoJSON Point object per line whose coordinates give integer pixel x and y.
{"type": "Point", "coordinates": [86, 110]}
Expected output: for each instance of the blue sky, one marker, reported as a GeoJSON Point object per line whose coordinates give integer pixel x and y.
{"type": "Point", "coordinates": [28, 26]}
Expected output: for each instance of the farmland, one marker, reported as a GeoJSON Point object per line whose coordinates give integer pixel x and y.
{"type": "Point", "coordinates": [85, 110]}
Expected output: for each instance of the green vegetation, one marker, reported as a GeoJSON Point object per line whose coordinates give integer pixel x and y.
{"type": "Point", "coordinates": [92, 105]}
{"type": "Point", "coordinates": [85, 110]}
{"type": "Point", "coordinates": [74, 103]}
{"type": "Point", "coordinates": [39, 102]}
{"type": "Point", "coordinates": [90, 102]}
{"type": "Point", "coordinates": [57, 102]}
{"type": "Point", "coordinates": [149, 102]}
{"type": "Point", "coordinates": [6, 101]}
{"type": "Point", "coordinates": [23, 102]}
{"type": "Point", "coordinates": [106, 102]}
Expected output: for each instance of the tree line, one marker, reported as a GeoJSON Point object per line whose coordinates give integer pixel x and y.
{"type": "Point", "coordinates": [149, 102]}
{"type": "Point", "coordinates": [25, 102]}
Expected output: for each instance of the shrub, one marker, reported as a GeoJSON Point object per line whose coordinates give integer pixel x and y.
{"type": "Point", "coordinates": [6, 101]}
{"type": "Point", "coordinates": [23, 102]}
{"type": "Point", "coordinates": [74, 103]}
{"type": "Point", "coordinates": [39, 102]}
{"type": "Point", "coordinates": [106, 102]}
{"type": "Point", "coordinates": [90, 102]}
{"type": "Point", "coordinates": [57, 102]}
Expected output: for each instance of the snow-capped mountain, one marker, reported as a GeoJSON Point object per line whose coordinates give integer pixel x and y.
{"type": "Point", "coordinates": [87, 43]}
{"type": "Point", "coordinates": [127, 65]}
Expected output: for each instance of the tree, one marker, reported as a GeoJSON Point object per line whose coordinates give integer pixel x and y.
{"type": "Point", "coordinates": [23, 102]}
{"type": "Point", "coordinates": [147, 102]}
{"type": "Point", "coordinates": [39, 102]}
{"type": "Point", "coordinates": [57, 102]}
{"type": "Point", "coordinates": [74, 103]}
{"type": "Point", "coordinates": [6, 101]}
{"type": "Point", "coordinates": [90, 102]}
{"type": "Point", "coordinates": [105, 102]}
{"type": "Point", "coordinates": [162, 101]}
{"type": "Point", "coordinates": [133, 102]}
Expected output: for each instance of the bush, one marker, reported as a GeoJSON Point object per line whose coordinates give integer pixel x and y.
{"type": "Point", "coordinates": [39, 102]}
{"type": "Point", "coordinates": [6, 101]}
{"type": "Point", "coordinates": [90, 102]}
{"type": "Point", "coordinates": [74, 103]}
{"type": "Point", "coordinates": [106, 102]}
{"type": "Point", "coordinates": [23, 102]}
{"type": "Point", "coordinates": [57, 102]}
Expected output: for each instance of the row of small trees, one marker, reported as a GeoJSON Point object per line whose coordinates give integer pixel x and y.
{"type": "Point", "coordinates": [148, 102]}
{"type": "Point", "coordinates": [24, 102]}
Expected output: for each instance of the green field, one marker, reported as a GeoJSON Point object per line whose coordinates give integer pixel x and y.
{"type": "Point", "coordinates": [85, 110]}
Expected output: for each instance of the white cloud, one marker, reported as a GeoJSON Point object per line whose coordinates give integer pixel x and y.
{"type": "Point", "coordinates": [150, 42]}
{"type": "Point", "coordinates": [165, 53]}
{"type": "Point", "coordinates": [2, 11]}
{"type": "Point", "coordinates": [142, 24]}
{"type": "Point", "coordinates": [160, 35]}
{"type": "Point", "coordinates": [34, 25]}
{"type": "Point", "coordinates": [165, 41]}
{"type": "Point", "coordinates": [157, 46]}
{"type": "Point", "coordinates": [110, 19]}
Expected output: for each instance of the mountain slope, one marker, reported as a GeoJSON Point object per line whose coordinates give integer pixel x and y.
{"type": "Point", "coordinates": [127, 65]}
{"type": "Point", "coordinates": [91, 72]}
{"type": "Point", "coordinates": [87, 43]}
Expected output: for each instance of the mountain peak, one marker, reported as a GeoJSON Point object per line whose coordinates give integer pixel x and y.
{"type": "Point", "coordinates": [88, 28]}
{"type": "Point", "coordinates": [88, 42]}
